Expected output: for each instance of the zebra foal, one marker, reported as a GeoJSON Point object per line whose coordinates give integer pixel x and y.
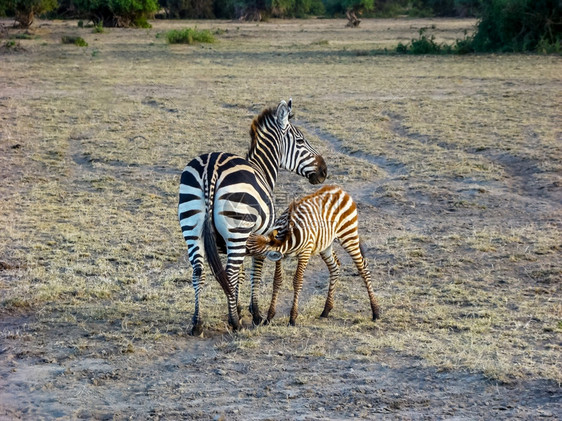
{"type": "Point", "coordinates": [223, 198]}
{"type": "Point", "coordinates": [309, 226]}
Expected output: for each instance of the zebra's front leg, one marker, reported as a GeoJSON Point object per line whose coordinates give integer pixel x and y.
{"type": "Point", "coordinates": [297, 285]}
{"type": "Point", "coordinates": [255, 277]}
{"type": "Point", "coordinates": [277, 281]}
{"type": "Point", "coordinates": [333, 264]}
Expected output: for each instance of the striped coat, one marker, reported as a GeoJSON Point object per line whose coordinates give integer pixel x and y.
{"type": "Point", "coordinates": [308, 227]}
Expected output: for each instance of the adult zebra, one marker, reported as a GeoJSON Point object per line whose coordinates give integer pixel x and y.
{"type": "Point", "coordinates": [223, 198]}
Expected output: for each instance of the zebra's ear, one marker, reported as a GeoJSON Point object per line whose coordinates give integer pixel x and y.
{"type": "Point", "coordinates": [274, 255]}
{"type": "Point", "coordinates": [282, 114]}
{"type": "Point", "coordinates": [290, 106]}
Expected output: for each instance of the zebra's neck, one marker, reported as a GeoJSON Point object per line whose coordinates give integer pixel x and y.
{"type": "Point", "coordinates": [265, 150]}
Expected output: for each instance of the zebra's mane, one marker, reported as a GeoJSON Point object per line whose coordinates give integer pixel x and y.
{"type": "Point", "coordinates": [258, 122]}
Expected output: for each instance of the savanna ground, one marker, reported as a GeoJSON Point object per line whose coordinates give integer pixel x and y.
{"type": "Point", "coordinates": [455, 163]}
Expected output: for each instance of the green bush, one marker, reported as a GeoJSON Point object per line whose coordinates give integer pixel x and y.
{"type": "Point", "coordinates": [79, 41]}
{"type": "Point", "coordinates": [519, 25]}
{"type": "Point", "coordinates": [426, 45]}
{"type": "Point", "coordinates": [189, 36]}
{"type": "Point", "coordinates": [185, 9]}
{"type": "Point", "coordinates": [122, 13]}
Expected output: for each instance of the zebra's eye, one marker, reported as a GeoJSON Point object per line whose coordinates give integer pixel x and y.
{"type": "Point", "coordinates": [300, 140]}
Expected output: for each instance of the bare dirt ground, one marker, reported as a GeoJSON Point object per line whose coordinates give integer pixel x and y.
{"type": "Point", "coordinates": [456, 166]}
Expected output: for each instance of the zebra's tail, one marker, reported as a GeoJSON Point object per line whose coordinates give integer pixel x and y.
{"type": "Point", "coordinates": [213, 256]}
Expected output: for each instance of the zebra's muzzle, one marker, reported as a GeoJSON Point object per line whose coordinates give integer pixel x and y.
{"type": "Point", "coordinates": [319, 176]}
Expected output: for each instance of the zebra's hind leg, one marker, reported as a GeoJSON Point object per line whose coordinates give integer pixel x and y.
{"type": "Point", "coordinates": [256, 274]}
{"type": "Point", "coordinates": [241, 279]}
{"type": "Point", "coordinates": [233, 272]}
{"type": "Point", "coordinates": [331, 260]}
{"type": "Point", "coordinates": [198, 280]}
{"type": "Point", "coordinates": [353, 248]}
{"type": "Point", "coordinates": [277, 281]}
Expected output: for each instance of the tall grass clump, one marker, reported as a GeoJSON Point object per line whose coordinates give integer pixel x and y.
{"type": "Point", "coordinates": [189, 36]}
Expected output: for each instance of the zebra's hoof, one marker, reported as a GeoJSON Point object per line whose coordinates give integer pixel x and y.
{"type": "Point", "coordinates": [325, 314]}
{"type": "Point", "coordinates": [235, 325]}
{"type": "Point", "coordinates": [266, 322]}
{"type": "Point", "coordinates": [257, 320]}
{"type": "Point", "coordinates": [292, 323]}
{"type": "Point", "coordinates": [197, 330]}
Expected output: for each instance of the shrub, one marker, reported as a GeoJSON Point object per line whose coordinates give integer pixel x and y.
{"type": "Point", "coordinates": [124, 13]}
{"type": "Point", "coordinates": [427, 45]}
{"type": "Point", "coordinates": [12, 46]}
{"type": "Point", "coordinates": [79, 41]}
{"type": "Point", "coordinates": [463, 46]}
{"type": "Point", "coordinates": [518, 25]}
{"type": "Point", "coordinates": [189, 36]}
{"type": "Point", "coordinates": [183, 9]}
{"type": "Point", "coordinates": [424, 44]}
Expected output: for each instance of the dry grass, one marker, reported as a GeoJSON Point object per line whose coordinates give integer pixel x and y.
{"type": "Point", "coordinates": [455, 163]}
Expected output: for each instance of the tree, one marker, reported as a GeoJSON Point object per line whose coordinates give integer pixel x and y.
{"type": "Point", "coordinates": [122, 13]}
{"type": "Point", "coordinates": [518, 25]}
{"type": "Point", "coordinates": [25, 10]}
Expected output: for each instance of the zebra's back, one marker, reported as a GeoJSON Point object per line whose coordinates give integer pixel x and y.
{"type": "Point", "coordinates": [318, 219]}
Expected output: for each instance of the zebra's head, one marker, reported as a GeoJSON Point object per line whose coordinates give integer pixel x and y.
{"type": "Point", "coordinates": [265, 245]}
{"type": "Point", "coordinates": [296, 153]}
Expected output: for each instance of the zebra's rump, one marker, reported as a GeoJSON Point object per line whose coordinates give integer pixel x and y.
{"type": "Point", "coordinates": [230, 190]}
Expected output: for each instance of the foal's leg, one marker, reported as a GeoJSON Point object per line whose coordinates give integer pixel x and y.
{"type": "Point", "coordinates": [351, 245]}
{"type": "Point", "coordinates": [297, 284]}
{"type": "Point", "coordinates": [277, 281]}
{"type": "Point", "coordinates": [329, 257]}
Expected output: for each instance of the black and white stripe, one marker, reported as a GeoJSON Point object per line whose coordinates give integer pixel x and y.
{"type": "Point", "coordinates": [224, 198]}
